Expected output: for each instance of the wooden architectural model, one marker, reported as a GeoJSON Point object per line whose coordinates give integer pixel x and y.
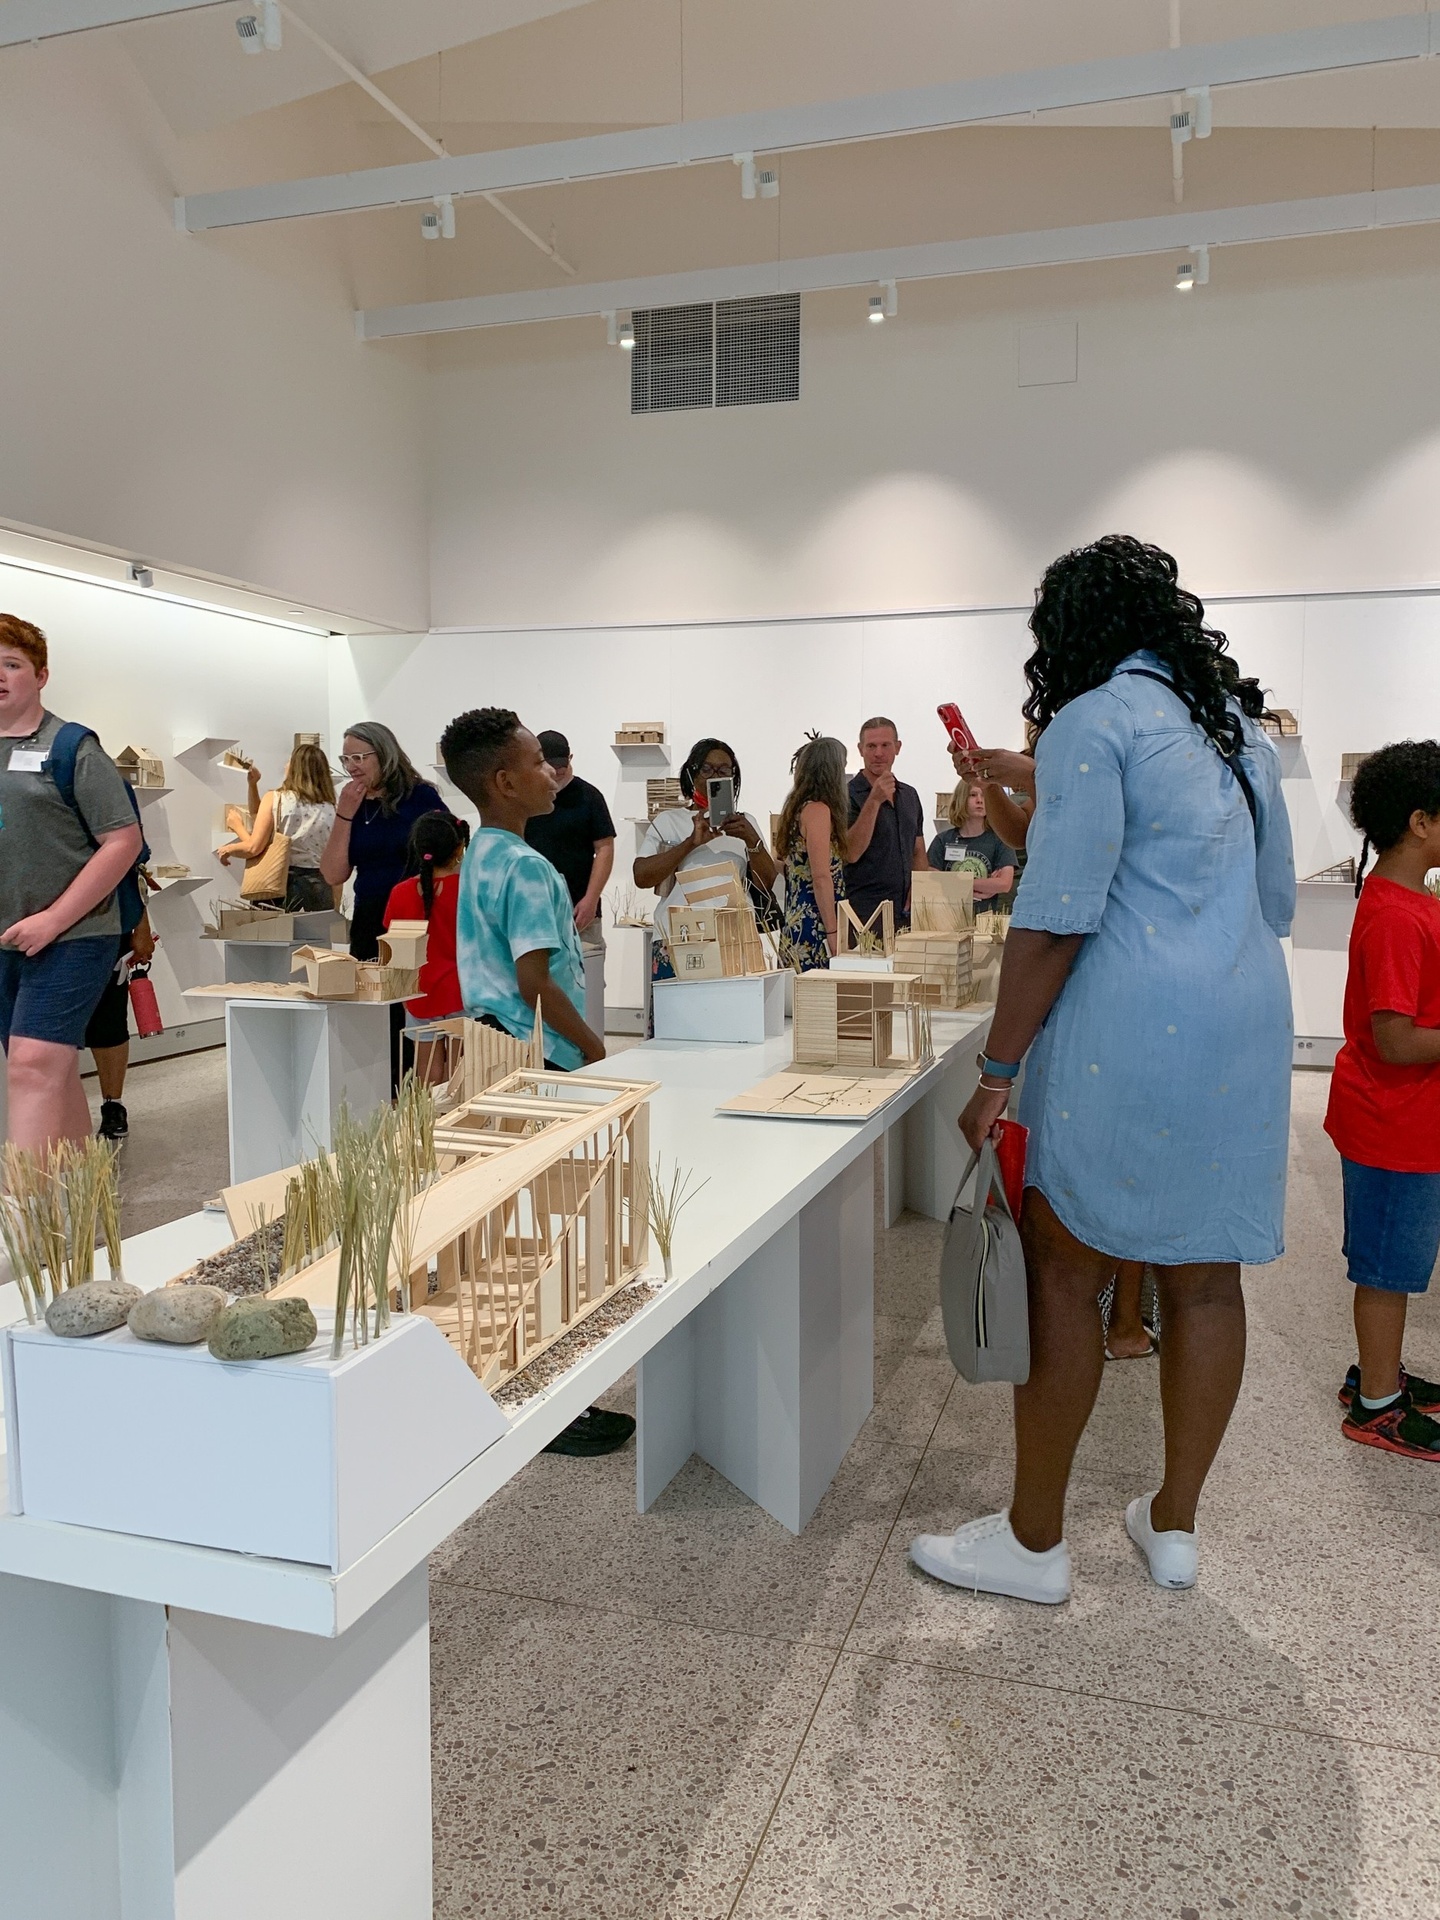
{"type": "Point", "coordinates": [402, 944]}
{"type": "Point", "coordinates": [328, 975]}
{"type": "Point", "coordinates": [873, 936]}
{"type": "Point", "coordinates": [640, 733]}
{"type": "Point", "coordinates": [715, 943]}
{"type": "Point", "coordinates": [661, 795]}
{"type": "Point", "coordinates": [942, 902]}
{"type": "Point", "coordinates": [140, 767]}
{"type": "Point", "coordinates": [942, 965]}
{"type": "Point", "coordinates": [1343, 872]}
{"type": "Point", "coordinates": [538, 1216]}
{"type": "Point", "coordinates": [1280, 723]}
{"type": "Point", "coordinates": [861, 1021]}
{"type": "Point", "coordinates": [1350, 764]}
{"type": "Point", "coordinates": [248, 920]}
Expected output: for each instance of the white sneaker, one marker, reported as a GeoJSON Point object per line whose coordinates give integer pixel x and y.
{"type": "Point", "coordinates": [1173, 1556]}
{"type": "Point", "coordinates": [985, 1556]}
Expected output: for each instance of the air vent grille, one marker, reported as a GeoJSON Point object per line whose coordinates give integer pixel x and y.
{"type": "Point", "coordinates": [673, 364]}
{"type": "Point", "coordinates": [757, 351]}
{"type": "Point", "coordinates": [739, 353]}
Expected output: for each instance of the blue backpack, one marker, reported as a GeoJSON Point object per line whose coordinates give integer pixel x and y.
{"type": "Point", "coordinates": [60, 765]}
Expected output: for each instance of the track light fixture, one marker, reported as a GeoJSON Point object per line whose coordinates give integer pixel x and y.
{"type": "Point", "coordinates": [260, 32]}
{"type": "Point", "coordinates": [140, 576]}
{"type": "Point", "coordinates": [1194, 271]}
{"type": "Point", "coordinates": [763, 184]}
{"type": "Point", "coordinates": [627, 336]}
{"type": "Point", "coordinates": [439, 225]}
{"type": "Point", "coordinates": [885, 304]}
{"type": "Point", "coordinates": [1193, 121]}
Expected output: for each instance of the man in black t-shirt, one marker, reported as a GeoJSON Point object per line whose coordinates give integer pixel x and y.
{"type": "Point", "coordinates": [578, 839]}
{"type": "Point", "coordinates": [886, 824]}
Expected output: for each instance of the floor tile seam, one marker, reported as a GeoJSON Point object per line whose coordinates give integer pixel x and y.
{"type": "Point", "coordinates": [635, 1614]}
{"type": "Point", "coordinates": [763, 1835]}
{"type": "Point", "coordinates": [1145, 1706]}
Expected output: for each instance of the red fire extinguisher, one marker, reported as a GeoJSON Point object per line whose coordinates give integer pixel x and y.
{"type": "Point", "coordinates": [143, 1003]}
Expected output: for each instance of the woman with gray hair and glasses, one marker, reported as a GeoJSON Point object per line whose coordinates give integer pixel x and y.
{"type": "Point", "coordinates": [374, 811]}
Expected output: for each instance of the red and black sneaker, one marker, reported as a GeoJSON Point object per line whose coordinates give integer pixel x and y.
{"type": "Point", "coordinates": [1424, 1394]}
{"type": "Point", "coordinates": [1398, 1428]}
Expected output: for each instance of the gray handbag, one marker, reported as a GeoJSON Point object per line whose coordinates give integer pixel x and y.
{"type": "Point", "coordinates": [982, 1281]}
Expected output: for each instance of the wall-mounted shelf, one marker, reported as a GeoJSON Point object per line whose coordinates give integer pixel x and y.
{"type": "Point", "coordinates": [186, 883]}
{"type": "Point", "coordinates": [198, 750]}
{"type": "Point", "coordinates": [146, 794]}
{"type": "Point", "coordinates": [638, 755]}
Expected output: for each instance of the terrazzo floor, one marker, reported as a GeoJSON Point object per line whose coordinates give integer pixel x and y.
{"type": "Point", "coordinates": [691, 1715]}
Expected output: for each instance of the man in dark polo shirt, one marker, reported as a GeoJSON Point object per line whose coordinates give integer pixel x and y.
{"type": "Point", "coordinates": [887, 827]}
{"type": "Point", "coordinates": [578, 838]}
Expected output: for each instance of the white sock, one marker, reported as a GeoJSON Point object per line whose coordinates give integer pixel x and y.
{"type": "Point", "coordinates": [1374, 1406]}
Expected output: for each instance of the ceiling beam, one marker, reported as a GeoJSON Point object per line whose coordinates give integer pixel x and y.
{"type": "Point", "coordinates": [25, 20]}
{"type": "Point", "coordinates": [1174, 233]}
{"type": "Point", "coordinates": [828, 123]}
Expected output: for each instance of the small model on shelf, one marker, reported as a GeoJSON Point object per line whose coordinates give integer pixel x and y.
{"type": "Point", "coordinates": [1350, 764]}
{"type": "Point", "coordinates": [1280, 723]}
{"type": "Point", "coordinates": [640, 733]}
{"type": "Point", "coordinates": [662, 795]}
{"type": "Point", "coordinates": [236, 758]}
{"type": "Point", "coordinates": [172, 870]}
{"type": "Point", "coordinates": [140, 767]}
{"type": "Point", "coordinates": [1342, 873]}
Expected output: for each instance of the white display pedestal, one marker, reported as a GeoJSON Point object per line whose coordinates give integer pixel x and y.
{"type": "Point", "coordinates": [721, 1012]}
{"type": "Point", "coordinates": [772, 1376]}
{"type": "Point", "coordinates": [157, 1764]}
{"type": "Point", "coordinates": [291, 1064]}
{"type": "Point", "coordinates": [595, 990]}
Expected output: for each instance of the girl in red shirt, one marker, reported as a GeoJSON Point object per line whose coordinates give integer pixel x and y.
{"type": "Point", "coordinates": [433, 857]}
{"type": "Point", "coordinates": [1384, 1112]}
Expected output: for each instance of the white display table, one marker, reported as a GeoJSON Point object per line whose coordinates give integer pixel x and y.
{"type": "Point", "coordinates": [193, 1734]}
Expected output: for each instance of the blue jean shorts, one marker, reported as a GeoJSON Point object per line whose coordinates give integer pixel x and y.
{"type": "Point", "coordinates": [52, 994]}
{"type": "Point", "coordinates": [1392, 1227]}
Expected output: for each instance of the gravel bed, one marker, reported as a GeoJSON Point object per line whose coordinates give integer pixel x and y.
{"type": "Point", "coordinates": [547, 1367]}
{"type": "Point", "coordinates": [236, 1268]}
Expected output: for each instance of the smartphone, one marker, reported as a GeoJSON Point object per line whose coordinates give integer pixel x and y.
{"type": "Point", "coordinates": [953, 722]}
{"type": "Point", "coordinates": [721, 799]}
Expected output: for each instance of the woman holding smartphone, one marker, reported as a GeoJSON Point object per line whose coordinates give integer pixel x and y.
{"type": "Point", "coordinates": [687, 836]}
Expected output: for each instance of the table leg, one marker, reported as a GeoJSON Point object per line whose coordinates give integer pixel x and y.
{"type": "Point", "coordinates": [771, 1378]}
{"type": "Point", "coordinates": [186, 1767]}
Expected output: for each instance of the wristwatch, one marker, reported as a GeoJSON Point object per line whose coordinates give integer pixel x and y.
{"type": "Point", "coordinates": [998, 1069]}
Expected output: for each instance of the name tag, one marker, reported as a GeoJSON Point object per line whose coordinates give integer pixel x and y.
{"type": "Point", "coordinates": [28, 760]}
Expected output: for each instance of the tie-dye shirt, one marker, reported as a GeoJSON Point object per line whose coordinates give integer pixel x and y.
{"type": "Point", "coordinates": [512, 902]}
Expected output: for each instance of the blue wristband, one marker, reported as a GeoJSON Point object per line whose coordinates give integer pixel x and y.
{"type": "Point", "coordinates": [999, 1069]}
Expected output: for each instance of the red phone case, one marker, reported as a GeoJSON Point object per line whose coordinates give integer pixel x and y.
{"type": "Point", "coordinates": [953, 722]}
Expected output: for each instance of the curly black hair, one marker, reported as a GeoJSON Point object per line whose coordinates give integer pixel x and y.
{"type": "Point", "coordinates": [696, 759]}
{"type": "Point", "coordinates": [1389, 786]}
{"type": "Point", "coordinates": [475, 744]}
{"type": "Point", "coordinates": [1101, 603]}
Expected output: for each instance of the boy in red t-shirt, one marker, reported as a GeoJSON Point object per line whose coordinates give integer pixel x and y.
{"type": "Point", "coordinates": [1384, 1112]}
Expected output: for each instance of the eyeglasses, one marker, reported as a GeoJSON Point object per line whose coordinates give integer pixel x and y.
{"type": "Point", "coordinates": [358, 759]}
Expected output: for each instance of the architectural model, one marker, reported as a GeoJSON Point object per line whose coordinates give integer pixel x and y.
{"type": "Point", "coordinates": [715, 943]}
{"type": "Point", "coordinates": [1280, 723]}
{"type": "Point", "coordinates": [873, 936]}
{"type": "Point", "coordinates": [661, 795]}
{"type": "Point", "coordinates": [140, 767]}
{"type": "Point", "coordinates": [1342, 873]}
{"type": "Point", "coordinates": [859, 1021]}
{"type": "Point", "coordinates": [640, 733]}
{"type": "Point", "coordinates": [942, 902]}
{"type": "Point", "coordinates": [942, 966]}
{"type": "Point", "coordinates": [815, 1096]}
{"type": "Point", "coordinates": [539, 1215]}
{"type": "Point", "coordinates": [1350, 764]}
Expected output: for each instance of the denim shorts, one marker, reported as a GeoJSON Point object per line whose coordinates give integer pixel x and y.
{"type": "Point", "coordinates": [52, 994]}
{"type": "Point", "coordinates": [1392, 1227]}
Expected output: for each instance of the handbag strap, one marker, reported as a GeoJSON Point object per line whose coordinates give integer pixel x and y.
{"type": "Point", "coordinates": [995, 1180]}
{"type": "Point", "coordinates": [1232, 760]}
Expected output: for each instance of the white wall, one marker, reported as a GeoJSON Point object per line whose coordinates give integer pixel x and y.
{"type": "Point", "coordinates": [194, 400]}
{"type": "Point", "coordinates": [147, 673]}
{"type": "Point", "coordinates": [1279, 430]}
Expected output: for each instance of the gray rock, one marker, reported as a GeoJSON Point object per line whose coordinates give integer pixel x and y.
{"type": "Point", "coordinates": [261, 1329]}
{"type": "Point", "coordinates": [99, 1306]}
{"type": "Point", "coordinates": [180, 1316]}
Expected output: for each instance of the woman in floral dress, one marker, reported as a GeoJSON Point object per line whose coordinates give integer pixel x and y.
{"type": "Point", "coordinates": [810, 842]}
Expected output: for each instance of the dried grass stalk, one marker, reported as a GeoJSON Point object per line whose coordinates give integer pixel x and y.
{"type": "Point", "coordinates": [54, 1207]}
{"type": "Point", "coordinates": [665, 1201]}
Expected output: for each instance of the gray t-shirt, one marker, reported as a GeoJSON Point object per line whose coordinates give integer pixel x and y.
{"type": "Point", "coordinates": [982, 853]}
{"type": "Point", "coordinates": [43, 844]}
